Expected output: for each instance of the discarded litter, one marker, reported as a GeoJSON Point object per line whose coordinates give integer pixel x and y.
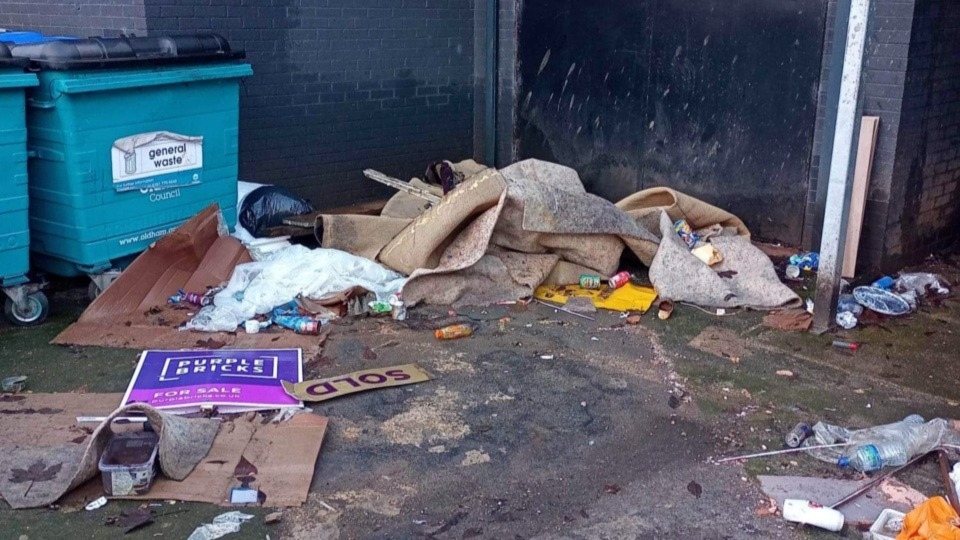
{"type": "Point", "coordinates": [565, 310]}
{"type": "Point", "coordinates": [886, 283]}
{"type": "Point", "coordinates": [882, 301]}
{"type": "Point", "coordinates": [273, 517]}
{"type": "Point", "coordinates": [810, 513]}
{"type": "Point", "coordinates": [921, 284]}
{"type": "Point", "coordinates": [455, 331]}
{"type": "Point", "coordinates": [128, 464]}
{"type": "Point", "coordinates": [806, 261]}
{"type": "Point", "coordinates": [847, 320]}
{"type": "Point", "coordinates": [590, 281]}
{"type": "Point", "coordinates": [873, 448]}
{"type": "Point", "coordinates": [629, 297]}
{"type": "Point", "coordinates": [847, 302]}
{"type": "Point", "coordinates": [840, 344]}
{"type": "Point", "coordinates": [292, 317]}
{"type": "Point", "coordinates": [888, 525]}
{"type": "Point", "coordinates": [243, 495]}
{"type": "Point", "coordinates": [131, 520]}
{"type": "Point", "coordinates": [12, 385]}
{"type": "Point", "coordinates": [797, 435]}
{"type": "Point", "coordinates": [231, 380]}
{"type": "Point", "coordinates": [619, 280]}
{"type": "Point", "coordinates": [222, 525]}
{"type": "Point", "coordinates": [933, 520]}
{"type": "Point", "coordinates": [96, 504]}
{"type": "Point", "coordinates": [685, 232]}
{"type": "Point", "coordinates": [789, 320]}
{"type": "Point", "coordinates": [266, 206]}
{"type": "Point", "coordinates": [192, 298]}
{"type": "Point", "coordinates": [358, 381]}
{"type": "Point", "coordinates": [709, 254]}
{"type": "Point", "coordinates": [665, 310]}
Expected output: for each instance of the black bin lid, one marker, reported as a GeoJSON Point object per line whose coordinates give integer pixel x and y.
{"type": "Point", "coordinates": [126, 52]}
{"type": "Point", "coordinates": [8, 61]}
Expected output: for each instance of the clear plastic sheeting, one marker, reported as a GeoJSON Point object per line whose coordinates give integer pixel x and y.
{"type": "Point", "coordinates": [295, 272]}
{"type": "Point", "coordinates": [921, 284]}
{"type": "Point", "coordinates": [222, 525]}
{"type": "Point", "coordinates": [917, 438]}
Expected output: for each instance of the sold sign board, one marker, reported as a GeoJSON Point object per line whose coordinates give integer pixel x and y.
{"type": "Point", "coordinates": [231, 380]}
{"type": "Point", "coordinates": [358, 381]}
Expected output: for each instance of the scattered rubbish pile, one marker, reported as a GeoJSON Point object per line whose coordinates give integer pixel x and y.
{"type": "Point", "coordinates": [890, 297]}
{"type": "Point", "coordinates": [501, 234]}
{"type": "Point", "coordinates": [886, 297]}
{"type": "Point", "coordinates": [890, 510]}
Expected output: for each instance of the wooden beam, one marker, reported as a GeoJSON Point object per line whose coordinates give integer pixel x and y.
{"type": "Point", "coordinates": [869, 127]}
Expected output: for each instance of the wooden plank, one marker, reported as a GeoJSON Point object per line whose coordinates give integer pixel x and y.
{"type": "Point", "coordinates": [869, 127]}
{"type": "Point", "coordinates": [400, 185]}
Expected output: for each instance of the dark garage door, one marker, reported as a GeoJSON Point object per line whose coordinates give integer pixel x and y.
{"type": "Point", "coordinates": [716, 98]}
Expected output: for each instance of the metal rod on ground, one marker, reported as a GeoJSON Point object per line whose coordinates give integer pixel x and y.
{"type": "Point", "coordinates": [947, 482]}
{"type": "Point", "coordinates": [400, 185]}
{"type": "Point", "coordinates": [565, 310]}
{"type": "Point", "coordinates": [840, 183]}
{"type": "Point", "coordinates": [779, 452]}
{"type": "Point", "coordinates": [869, 485]}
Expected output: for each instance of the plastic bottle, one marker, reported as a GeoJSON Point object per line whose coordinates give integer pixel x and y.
{"type": "Point", "coordinates": [873, 457]}
{"type": "Point", "coordinates": [454, 332]}
{"type": "Point", "coordinates": [886, 282]}
{"type": "Point", "coordinates": [811, 513]}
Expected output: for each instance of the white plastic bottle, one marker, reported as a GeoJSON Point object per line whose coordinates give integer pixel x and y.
{"type": "Point", "coordinates": [811, 513]}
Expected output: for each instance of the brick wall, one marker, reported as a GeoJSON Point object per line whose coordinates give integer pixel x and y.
{"type": "Point", "coordinates": [75, 17]}
{"type": "Point", "coordinates": [342, 85]}
{"type": "Point", "coordinates": [925, 217]}
{"type": "Point", "coordinates": [885, 66]}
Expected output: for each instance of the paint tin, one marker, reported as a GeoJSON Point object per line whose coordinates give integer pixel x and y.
{"type": "Point", "coordinates": [619, 280]}
{"type": "Point", "coordinates": [590, 281]}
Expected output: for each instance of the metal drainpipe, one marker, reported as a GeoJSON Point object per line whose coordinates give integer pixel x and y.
{"type": "Point", "coordinates": [846, 133]}
{"type": "Point", "coordinates": [490, 92]}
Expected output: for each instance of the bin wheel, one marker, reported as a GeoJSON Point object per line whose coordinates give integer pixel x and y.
{"type": "Point", "coordinates": [36, 310]}
{"type": "Point", "coordinates": [93, 291]}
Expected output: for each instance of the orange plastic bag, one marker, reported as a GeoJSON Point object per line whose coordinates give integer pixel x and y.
{"type": "Point", "coordinates": [935, 519]}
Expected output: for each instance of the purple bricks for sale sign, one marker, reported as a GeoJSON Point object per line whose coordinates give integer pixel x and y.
{"type": "Point", "coordinates": [231, 380]}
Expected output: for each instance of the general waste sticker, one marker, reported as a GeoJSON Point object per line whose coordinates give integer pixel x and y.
{"type": "Point", "coordinates": [231, 380]}
{"type": "Point", "coordinates": [156, 160]}
{"type": "Point", "coordinates": [358, 381]}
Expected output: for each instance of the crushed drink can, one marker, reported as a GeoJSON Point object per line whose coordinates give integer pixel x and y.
{"type": "Point", "coordinates": [619, 280]}
{"type": "Point", "coordinates": [590, 281]}
{"type": "Point", "coordinates": [797, 435]}
{"type": "Point", "coordinates": [196, 299]}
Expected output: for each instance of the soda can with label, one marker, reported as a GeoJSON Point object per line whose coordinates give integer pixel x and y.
{"type": "Point", "coordinates": [619, 280]}
{"type": "Point", "coordinates": [590, 281]}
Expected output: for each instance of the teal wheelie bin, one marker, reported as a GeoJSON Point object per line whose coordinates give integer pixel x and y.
{"type": "Point", "coordinates": [129, 138]}
{"type": "Point", "coordinates": [24, 302]}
